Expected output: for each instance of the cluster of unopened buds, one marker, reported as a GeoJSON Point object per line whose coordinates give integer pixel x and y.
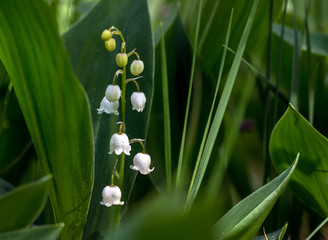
{"type": "Point", "coordinates": [119, 142]}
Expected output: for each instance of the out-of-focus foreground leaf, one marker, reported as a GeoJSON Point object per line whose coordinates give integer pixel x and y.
{"type": "Point", "coordinates": [46, 232]}
{"type": "Point", "coordinates": [244, 219]}
{"type": "Point", "coordinates": [276, 235]}
{"type": "Point", "coordinates": [54, 106]}
{"type": "Point", "coordinates": [20, 207]}
{"type": "Point", "coordinates": [293, 134]}
{"type": "Point", "coordinates": [162, 218]}
{"type": "Point", "coordinates": [95, 68]}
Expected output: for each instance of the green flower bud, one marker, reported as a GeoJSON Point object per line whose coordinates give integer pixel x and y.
{"type": "Point", "coordinates": [121, 59]}
{"type": "Point", "coordinates": [110, 45]}
{"type": "Point", "coordinates": [136, 67]}
{"type": "Point", "coordinates": [106, 35]}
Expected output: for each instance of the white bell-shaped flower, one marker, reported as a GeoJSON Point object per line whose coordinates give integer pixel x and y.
{"type": "Point", "coordinates": [138, 101]}
{"type": "Point", "coordinates": [119, 143]}
{"type": "Point", "coordinates": [108, 107]}
{"type": "Point", "coordinates": [113, 93]}
{"type": "Point", "coordinates": [141, 162]}
{"type": "Point", "coordinates": [111, 196]}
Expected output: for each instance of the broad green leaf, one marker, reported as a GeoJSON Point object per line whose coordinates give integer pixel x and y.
{"type": "Point", "coordinates": [276, 235]}
{"type": "Point", "coordinates": [54, 106]}
{"type": "Point", "coordinates": [95, 68]}
{"type": "Point", "coordinates": [318, 40]}
{"type": "Point", "coordinates": [200, 169]}
{"type": "Point", "coordinates": [245, 218]}
{"type": "Point", "coordinates": [20, 207]}
{"type": "Point", "coordinates": [293, 134]}
{"type": "Point", "coordinates": [45, 232]}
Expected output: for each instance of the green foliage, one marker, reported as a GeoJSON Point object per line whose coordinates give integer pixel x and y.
{"type": "Point", "coordinates": [215, 84]}
{"type": "Point", "coordinates": [47, 232]}
{"type": "Point", "coordinates": [244, 219]}
{"type": "Point", "coordinates": [276, 235]}
{"type": "Point", "coordinates": [95, 68]}
{"type": "Point", "coordinates": [21, 206]}
{"type": "Point", "coordinates": [292, 135]}
{"type": "Point", "coordinates": [54, 106]}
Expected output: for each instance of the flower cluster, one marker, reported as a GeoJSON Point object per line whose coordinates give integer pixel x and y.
{"type": "Point", "coordinates": [119, 142]}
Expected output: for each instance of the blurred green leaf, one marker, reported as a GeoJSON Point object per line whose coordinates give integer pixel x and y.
{"type": "Point", "coordinates": [293, 134]}
{"type": "Point", "coordinates": [95, 68]}
{"type": "Point", "coordinates": [46, 232]}
{"type": "Point", "coordinates": [276, 235]}
{"type": "Point", "coordinates": [318, 40]}
{"type": "Point", "coordinates": [21, 206]}
{"type": "Point", "coordinates": [161, 218]}
{"type": "Point", "coordinates": [54, 106]}
{"type": "Point", "coordinates": [245, 218]}
{"type": "Point", "coordinates": [5, 187]}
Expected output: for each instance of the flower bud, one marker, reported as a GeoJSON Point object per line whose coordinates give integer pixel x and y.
{"type": "Point", "coordinates": [113, 93]}
{"type": "Point", "coordinates": [121, 59]}
{"type": "Point", "coordinates": [108, 107]}
{"type": "Point", "coordinates": [136, 67]}
{"type": "Point", "coordinates": [111, 196]}
{"type": "Point", "coordinates": [119, 143]}
{"type": "Point", "coordinates": [110, 45]}
{"type": "Point", "coordinates": [138, 101]}
{"type": "Point", "coordinates": [106, 35]}
{"type": "Point", "coordinates": [141, 162]}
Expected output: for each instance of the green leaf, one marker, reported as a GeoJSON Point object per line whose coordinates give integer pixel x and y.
{"type": "Point", "coordinates": [21, 206]}
{"type": "Point", "coordinates": [276, 235]}
{"type": "Point", "coordinates": [5, 187]}
{"type": "Point", "coordinates": [178, 53]}
{"type": "Point", "coordinates": [318, 40]}
{"type": "Point", "coordinates": [166, 112]}
{"type": "Point", "coordinates": [199, 172]}
{"type": "Point", "coordinates": [161, 218]}
{"type": "Point", "coordinates": [46, 232]}
{"type": "Point", "coordinates": [95, 68]}
{"type": "Point", "coordinates": [293, 134]}
{"type": "Point", "coordinates": [54, 106]}
{"type": "Point", "coordinates": [245, 218]}
{"type": "Point", "coordinates": [217, 15]}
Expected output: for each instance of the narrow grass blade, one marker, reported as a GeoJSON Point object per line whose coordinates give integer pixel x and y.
{"type": "Point", "coordinates": [317, 229]}
{"type": "Point", "coordinates": [5, 105]}
{"type": "Point", "coordinates": [309, 64]}
{"type": "Point", "coordinates": [230, 138]}
{"type": "Point", "coordinates": [166, 108]}
{"type": "Point", "coordinates": [275, 100]}
{"type": "Point", "coordinates": [209, 120]}
{"type": "Point", "coordinates": [294, 91]}
{"type": "Point", "coordinates": [199, 172]}
{"type": "Point", "coordinates": [183, 140]}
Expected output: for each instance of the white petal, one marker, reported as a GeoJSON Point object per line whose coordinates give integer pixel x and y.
{"type": "Point", "coordinates": [138, 101]}
{"type": "Point", "coordinates": [141, 163]}
{"type": "Point", "coordinates": [108, 107]}
{"type": "Point", "coordinates": [113, 93]}
{"type": "Point", "coordinates": [119, 143]}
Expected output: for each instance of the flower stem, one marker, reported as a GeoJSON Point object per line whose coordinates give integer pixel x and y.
{"type": "Point", "coordinates": [122, 162]}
